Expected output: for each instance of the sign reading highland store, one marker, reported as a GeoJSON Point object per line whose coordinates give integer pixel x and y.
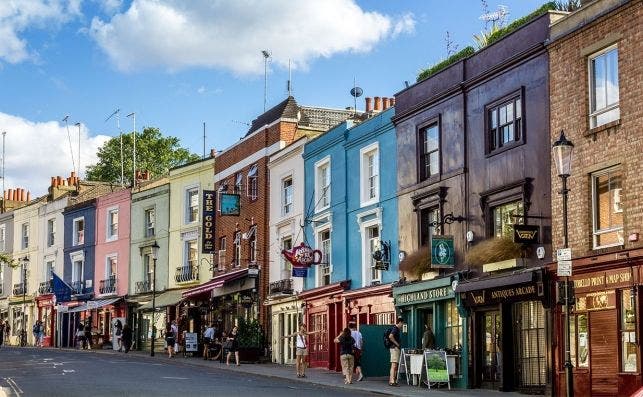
{"type": "Point", "coordinates": [207, 224]}
{"type": "Point", "coordinates": [442, 252]}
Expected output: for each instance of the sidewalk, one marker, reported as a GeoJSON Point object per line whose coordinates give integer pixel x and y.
{"type": "Point", "coordinates": [313, 375]}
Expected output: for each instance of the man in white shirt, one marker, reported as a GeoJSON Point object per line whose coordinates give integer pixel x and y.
{"type": "Point", "coordinates": [357, 349]}
{"type": "Point", "coordinates": [208, 338]}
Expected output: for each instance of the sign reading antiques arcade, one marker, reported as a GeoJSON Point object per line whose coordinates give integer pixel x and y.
{"type": "Point", "coordinates": [207, 225]}
{"type": "Point", "coordinates": [503, 294]}
{"type": "Point", "coordinates": [442, 252]}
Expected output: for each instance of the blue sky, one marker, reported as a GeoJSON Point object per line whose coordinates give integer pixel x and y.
{"type": "Point", "coordinates": [180, 63]}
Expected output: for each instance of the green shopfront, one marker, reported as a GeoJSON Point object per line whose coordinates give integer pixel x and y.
{"type": "Point", "coordinates": [432, 303]}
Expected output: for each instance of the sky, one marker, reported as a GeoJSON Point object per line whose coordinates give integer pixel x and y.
{"type": "Point", "coordinates": [178, 64]}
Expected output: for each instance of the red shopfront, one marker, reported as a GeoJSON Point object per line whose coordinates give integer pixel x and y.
{"type": "Point", "coordinates": [47, 314]}
{"type": "Point", "coordinates": [605, 326]}
{"type": "Point", "coordinates": [370, 305]}
{"type": "Point", "coordinates": [325, 317]}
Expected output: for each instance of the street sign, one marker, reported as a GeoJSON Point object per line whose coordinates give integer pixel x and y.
{"type": "Point", "coordinates": [564, 254]}
{"type": "Point", "coordinates": [564, 268]}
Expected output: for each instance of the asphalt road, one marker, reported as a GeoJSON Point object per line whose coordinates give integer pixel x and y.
{"type": "Point", "coordinates": [26, 372]}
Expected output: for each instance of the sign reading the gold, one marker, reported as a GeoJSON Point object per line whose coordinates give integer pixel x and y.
{"type": "Point", "coordinates": [209, 207]}
{"type": "Point", "coordinates": [497, 295]}
{"type": "Point", "coordinates": [424, 296]}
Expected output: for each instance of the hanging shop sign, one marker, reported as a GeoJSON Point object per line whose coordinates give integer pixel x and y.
{"type": "Point", "coordinates": [533, 291]}
{"type": "Point", "coordinates": [207, 224]}
{"type": "Point", "coordinates": [442, 252]}
{"type": "Point", "coordinates": [230, 204]}
{"type": "Point", "coordinates": [302, 256]}
{"type": "Point", "coordinates": [526, 234]}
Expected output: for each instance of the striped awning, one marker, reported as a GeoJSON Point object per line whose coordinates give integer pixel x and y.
{"type": "Point", "coordinates": [93, 304]}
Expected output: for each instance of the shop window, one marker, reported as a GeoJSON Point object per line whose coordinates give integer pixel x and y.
{"type": "Point", "coordinates": [192, 205]}
{"type": "Point", "coordinates": [504, 124]}
{"type": "Point", "coordinates": [453, 327]}
{"type": "Point", "coordinates": [579, 341]}
{"type": "Point", "coordinates": [629, 348]}
{"type": "Point", "coordinates": [427, 216]}
{"type": "Point", "coordinates": [505, 216]}
{"type": "Point", "coordinates": [326, 263]}
{"type": "Point", "coordinates": [429, 151]}
{"type": "Point", "coordinates": [603, 87]}
{"type": "Point", "coordinates": [607, 208]}
{"type": "Point", "coordinates": [79, 231]}
{"type": "Point", "coordinates": [51, 232]}
{"type": "Point", "coordinates": [531, 361]}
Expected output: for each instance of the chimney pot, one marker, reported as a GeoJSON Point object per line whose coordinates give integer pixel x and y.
{"type": "Point", "coordinates": [369, 104]}
{"type": "Point", "coordinates": [213, 152]}
{"type": "Point", "coordinates": [59, 181]}
{"type": "Point", "coordinates": [73, 174]}
{"type": "Point", "coordinates": [392, 102]}
{"type": "Point", "coordinates": [378, 104]}
{"type": "Point", "coordinates": [385, 103]}
{"type": "Point", "coordinates": [28, 196]}
{"type": "Point", "coordinates": [22, 194]}
{"type": "Point", "coordinates": [10, 194]}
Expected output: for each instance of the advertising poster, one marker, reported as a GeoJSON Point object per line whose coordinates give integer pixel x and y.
{"type": "Point", "coordinates": [436, 366]}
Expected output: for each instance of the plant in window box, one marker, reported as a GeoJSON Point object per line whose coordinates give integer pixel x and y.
{"type": "Point", "coordinates": [417, 262]}
{"type": "Point", "coordinates": [251, 340]}
{"type": "Point", "coordinates": [493, 250]}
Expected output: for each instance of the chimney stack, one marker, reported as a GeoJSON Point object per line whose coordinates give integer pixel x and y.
{"type": "Point", "coordinates": [369, 105]}
{"type": "Point", "coordinates": [213, 152]}
{"type": "Point", "coordinates": [385, 103]}
{"type": "Point", "coordinates": [378, 104]}
{"type": "Point", "coordinates": [28, 196]}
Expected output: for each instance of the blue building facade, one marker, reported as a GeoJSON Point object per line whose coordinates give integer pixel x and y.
{"type": "Point", "coordinates": [79, 247]}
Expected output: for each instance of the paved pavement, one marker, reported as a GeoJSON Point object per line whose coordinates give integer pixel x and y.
{"type": "Point", "coordinates": [193, 375]}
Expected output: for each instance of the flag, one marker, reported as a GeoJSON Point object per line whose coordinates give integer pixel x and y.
{"type": "Point", "coordinates": [62, 290]}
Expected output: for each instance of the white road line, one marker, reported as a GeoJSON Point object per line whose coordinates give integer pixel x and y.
{"type": "Point", "coordinates": [174, 377]}
{"type": "Point", "coordinates": [14, 386]}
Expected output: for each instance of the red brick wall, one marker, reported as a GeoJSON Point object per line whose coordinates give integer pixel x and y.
{"type": "Point", "coordinates": [596, 149]}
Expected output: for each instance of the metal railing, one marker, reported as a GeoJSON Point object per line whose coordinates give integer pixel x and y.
{"type": "Point", "coordinates": [143, 286]}
{"type": "Point", "coordinates": [19, 289]}
{"type": "Point", "coordinates": [186, 274]}
{"type": "Point", "coordinates": [46, 287]}
{"type": "Point", "coordinates": [77, 287]}
{"type": "Point", "coordinates": [107, 286]}
{"type": "Point", "coordinates": [281, 286]}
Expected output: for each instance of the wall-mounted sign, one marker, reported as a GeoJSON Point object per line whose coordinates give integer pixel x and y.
{"type": "Point", "coordinates": [424, 296]}
{"type": "Point", "coordinates": [300, 272]}
{"type": "Point", "coordinates": [519, 292]}
{"type": "Point", "coordinates": [230, 204]}
{"type": "Point", "coordinates": [603, 280]}
{"type": "Point", "coordinates": [596, 301]}
{"type": "Point", "coordinates": [207, 224]}
{"type": "Point", "coordinates": [442, 252]}
{"type": "Point", "coordinates": [302, 256]}
{"type": "Point", "coordinates": [526, 234]}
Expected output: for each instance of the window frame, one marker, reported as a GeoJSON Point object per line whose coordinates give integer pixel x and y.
{"type": "Point", "coordinates": [514, 97]}
{"type": "Point", "coordinates": [624, 296]}
{"type": "Point", "coordinates": [51, 232]}
{"type": "Point", "coordinates": [3, 237]}
{"type": "Point", "coordinates": [287, 207]}
{"type": "Point", "coordinates": [24, 235]}
{"type": "Point", "coordinates": [592, 114]}
{"type": "Point", "coordinates": [238, 182]}
{"type": "Point", "coordinates": [326, 196]}
{"type": "Point", "coordinates": [236, 245]}
{"type": "Point", "coordinates": [76, 236]}
{"type": "Point", "coordinates": [147, 223]}
{"type": "Point", "coordinates": [492, 216]}
{"type": "Point", "coordinates": [222, 250]}
{"type": "Point", "coordinates": [108, 259]}
{"type": "Point", "coordinates": [285, 267]}
{"type": "Point", "coordinates": [421, 154]}
{"type": "Point", "coordinates": [325, 268]}
{"type": "Point", "coordinates": [111, 233]}
{"type": "Point", "coordinates": [594, 208]}
{"type": "Point", "coordinates": [372, 275]}
{"type": "Point", "coordinates": [252, 182]}
{"type": "Point", "coordinates": [366, 177]}
{"type": "Point", "coordinates": [189, 209]}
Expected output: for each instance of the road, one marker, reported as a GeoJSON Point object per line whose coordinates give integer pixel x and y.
{"type": "Point", "coordinates": [26, 372]}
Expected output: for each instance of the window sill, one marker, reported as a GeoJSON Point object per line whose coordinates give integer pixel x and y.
{"type": "Point", "coordinates": [607, 126]}
{"type": "Point", "coordinates": [372, 201]}
{"type": "Point", "coordinates": [504, 148]}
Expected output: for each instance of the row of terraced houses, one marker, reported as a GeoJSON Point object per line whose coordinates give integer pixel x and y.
{"type": "Point", "coordinates": [461, 156]}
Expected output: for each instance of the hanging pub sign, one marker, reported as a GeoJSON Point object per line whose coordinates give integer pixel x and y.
{"type": "Point", "coordinates": [230, 204]}
{"type": "Point", "coordinates": [207, 224]}
{"type": "Point", "coordinates": [301, 257]}
{"type": "Point", "coordinates": [442, 252]}
{"type": "Point", "coordinates": [526, 234]}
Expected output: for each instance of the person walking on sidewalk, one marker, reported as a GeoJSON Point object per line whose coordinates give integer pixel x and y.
{"type": "Point", "coordinates": [233, 345]}
{"type": "Point", "coordinates": [208, 339]}
{"type": "Point", "coordinates": [170, 338]}
{"type": "Point", "coordinates": [357, 351]}
{"type": "Point", "coordinates": [346, 346]}
{"type": "Point", "coordinates": [301, 349]}
{"type": "Point", "coordinates": [126, 338]}
{"type": "Point", "coordinates": [87, 332]}
{"type": "Point", "coordinates": [395, 343]}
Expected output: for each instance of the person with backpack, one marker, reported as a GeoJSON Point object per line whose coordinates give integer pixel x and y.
{"type": "Point", "coordinates": [357, 350]}
{"type": "Point", "coordinates": [393, 340]}
{"type": "Point", "coordinates": [346, 346]}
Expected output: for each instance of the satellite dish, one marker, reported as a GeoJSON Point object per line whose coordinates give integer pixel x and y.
{"type": "Point", "coordinates": [357, 92]}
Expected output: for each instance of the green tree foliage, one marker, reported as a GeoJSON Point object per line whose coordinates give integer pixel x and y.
{"type": "Point", "coordinates": [154, 152]}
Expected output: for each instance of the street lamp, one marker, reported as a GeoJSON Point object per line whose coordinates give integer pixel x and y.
{"type": "Point", "coordinates": [155, 255]}
{"type": "Point", "coordinates": [23, 332]}
{"type": "Point", "coordinates": [562, 151]}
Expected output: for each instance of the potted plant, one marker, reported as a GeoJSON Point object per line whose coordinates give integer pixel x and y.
{"type": "Point", "coordinates": [250, 339]}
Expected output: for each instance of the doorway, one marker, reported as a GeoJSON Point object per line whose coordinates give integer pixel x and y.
{"type": "Point", "coordinates": [425, 317]}
{"type": "Point", "coordinates": [491, 349]}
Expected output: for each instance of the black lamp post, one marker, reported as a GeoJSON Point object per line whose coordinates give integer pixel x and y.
{"type": "Point", "coordinates": [562, 152]}
{"type": "Point", "coordinates": [23, 332]}
{"type": "Point", "coordinates": [155, 254]}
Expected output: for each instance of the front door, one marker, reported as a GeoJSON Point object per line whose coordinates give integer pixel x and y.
{"type": "Point", "coordinates": [491, 355]}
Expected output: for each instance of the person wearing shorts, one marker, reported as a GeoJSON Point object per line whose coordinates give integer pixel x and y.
{"type": "Point", "coordinates": [396, 348]}
{"type": "Point", "coordinates": [301, 352]}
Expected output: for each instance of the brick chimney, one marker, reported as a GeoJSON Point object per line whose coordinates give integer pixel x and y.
{"type": "Point", "coordinates": [369, 104]}
{"type": "Point", "coordinates": [378, 104]}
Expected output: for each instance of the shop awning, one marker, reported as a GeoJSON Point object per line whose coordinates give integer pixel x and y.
{"type": "Point", "coordinates": [526, 276]}
{"type": "Point", "coordinates": [93, 304]}
{"type": "Point", "coordinates": [216, 282]}
{"type": "Point", "coordinates": [167, 298]}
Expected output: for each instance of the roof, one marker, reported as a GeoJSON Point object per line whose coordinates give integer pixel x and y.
{"type": "Point", "coordinates": [287, 108]}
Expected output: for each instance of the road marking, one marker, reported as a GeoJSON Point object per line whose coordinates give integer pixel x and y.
{"type": "Point", "coordinates": [68, 370]}
{"type": "Point", "coordinates": [174, 377]}
{"type": "Point", "coordinates": [14, 386]}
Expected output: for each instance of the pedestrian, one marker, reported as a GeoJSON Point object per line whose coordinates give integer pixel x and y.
{"type": "Point", "coordinates": [7, 331]}
{"type": "Point", "coordinates": [224, 346]}
{"type": "Point", "coordinates": [170, 338]}
{"type": "Point", "coordinates": [80, 336]}
{"type": "Point", "coordinates": [208, 339]}
{"type": "Point", "coordinates": [126, 337]}
{"type": "Point", "coordinates": [233, 345]}
{"type": "Point", "coordinates": [35, 329]}
{"type": "Point", "coordinates": [428, 339]}
{"type": "Point", "coordinates": [395, 343]}
{"type": "Point", "coordinates": [359, 343]}
{"type": "Point", "coordinates": [87, 331]}
{"type": "Point", "coordinates": [41, 334]}
{"type": "Point", "coordinates": [118, 333]}
{"type": "Point", "coordinates": [301, 349]}
{"type": "Point", "coordinates": [346, 345]}
{"type": "Point", "coordinates": [1, 333]}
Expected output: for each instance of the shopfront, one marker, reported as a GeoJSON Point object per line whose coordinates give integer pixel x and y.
{"type": "Point", "coordinates": [432, 303]}
{"type": "Point", "coordinates": [164, 311]}
{"type": "Point", "coordinates": [604, 332]}
{"type": "Point", "coordinates": [47, 314]}
{"type": "Point", "coordinates": [509, 342]}
{"type": "Point", "coordinates": [286, 315]}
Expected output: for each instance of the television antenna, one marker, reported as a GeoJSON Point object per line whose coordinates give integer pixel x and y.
{"type": "Point", "coordinates": [266, 56]}
{"type": "Point", "coordinates": [498, 17]}
{"type": "Point", "coordinates": [117, 113]}
{"type": "Point", "coordinates": [71, 150]}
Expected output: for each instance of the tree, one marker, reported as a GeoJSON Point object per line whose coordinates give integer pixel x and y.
{"type": "Point", "coordinates": [154, 152]}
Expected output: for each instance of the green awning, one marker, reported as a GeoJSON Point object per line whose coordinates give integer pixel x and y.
{"type": "Point", "coordinates": [163, 299]}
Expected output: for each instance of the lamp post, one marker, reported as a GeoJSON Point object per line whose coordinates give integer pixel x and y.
{"type": "Point", "coordinates": [23, 332]}
{"type": "Point", "coordinates": [155, 254]}
{"type": "Point", "coordinates": [562, 152]}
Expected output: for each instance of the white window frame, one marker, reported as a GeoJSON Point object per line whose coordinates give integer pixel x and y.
{"type": "Point", "coordinates": [148, 268]}
{"type": "Point", "coordinates": [287, 207]}
{"type": "Point", "coordinates": [367, 260]}
{"type": "Point", "coordinates": [253, 178]}
{"type": "Point", "coordinates": [285, 267]}
{"type": "Point", "coordinates": [236, 245]}
{"type": "Point", "coordinates": [594, 113]}
{"type": "Point", "coordinates": [109, 235]}
{"type": "Point", "coordinates": [146, 211]}
{"type": "Point", "coordinates": [108, 258]}
{"type": "Point", "coordinates": [369, 175]}
{"type": "Point", "coordinates": [597, 233]}
{"type": "Point", "coordinates": [24, 235]}
{"type": "Point", "coordinates": [3, 237]}
{"type": "Point", "coordinates": [49, 273]}
{"type": "Point", "coordinates": [75, 237]}
{"type": "Point", "coordinates": [188, 206]}
{"type": "Point", "coordinates": [78, 256]}
{"type": "Point", "coordinates": [238, 182]}
{"type": "Point", "coordinates": [322, 193]}
{"type": "Point", "coordinates": [186, 253]}
{"type": "Point", "coordinates": [323, 267]}
{"type": "Point", "coordinates": [51, 232]}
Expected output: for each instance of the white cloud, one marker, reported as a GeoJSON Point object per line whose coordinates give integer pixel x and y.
{"type": "Point", "coordinates": [18, 16]}
{"type": "Point", "coordinates": [36, 151]}
{"type": "Point", "coordinates": [176, 34]}
{"type": "Point", "coordinates": [201, 90]}
{"type": "Point", "coordinates": [110, 6]}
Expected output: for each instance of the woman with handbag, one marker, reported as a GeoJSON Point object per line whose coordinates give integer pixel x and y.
{"type": "Point", "coordinates": [234, 346]}
{"type": "Point", "coordinates": [346, 345]}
